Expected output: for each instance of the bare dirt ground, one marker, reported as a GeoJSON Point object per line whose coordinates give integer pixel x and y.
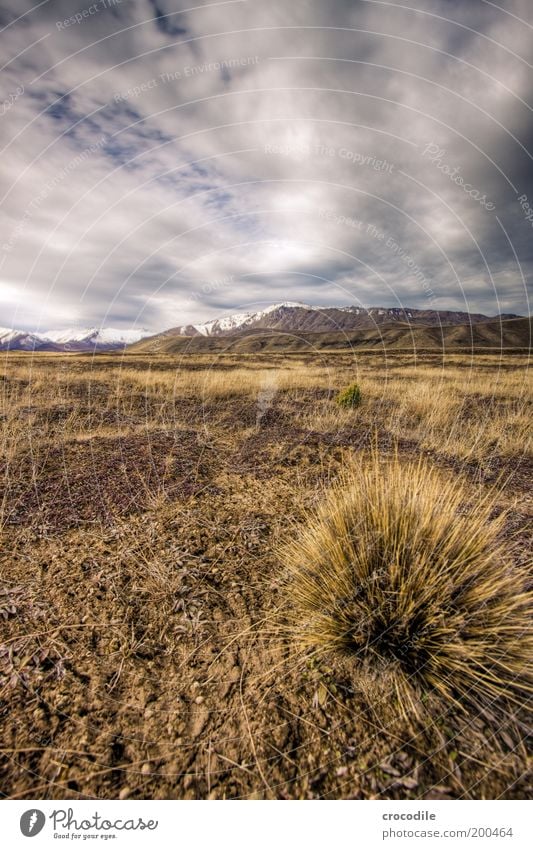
{"type": "Point", "coordinates": [144, 501]}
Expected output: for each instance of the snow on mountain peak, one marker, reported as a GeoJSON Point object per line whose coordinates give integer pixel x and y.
{"type": "Point", "coordinates": [75, 339]}
{"type": "Point", "coordinates": [242, 319]}
{"type": "Point", "coordinates": [287, 305]}
{"type": "Point", "coordinates": [95, 335]}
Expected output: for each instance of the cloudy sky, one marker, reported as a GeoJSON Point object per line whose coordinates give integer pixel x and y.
{"type": "Point", "coordinates": [165, 161]}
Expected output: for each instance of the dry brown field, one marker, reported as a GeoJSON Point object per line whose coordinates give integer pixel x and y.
{"type": "Point", "coordinates": [148, 646]}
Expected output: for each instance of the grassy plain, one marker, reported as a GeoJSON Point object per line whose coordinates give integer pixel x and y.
{"type": "Point", "coordinates": [146, 502]}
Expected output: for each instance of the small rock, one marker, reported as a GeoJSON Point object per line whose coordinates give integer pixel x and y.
{"type": "Point", "coordinates": [408, 783]}
{"type": "Point", "coordinates": [390, 770]}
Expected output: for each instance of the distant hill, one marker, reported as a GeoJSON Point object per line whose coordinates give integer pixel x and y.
{"type": "Point", "coordinates": [415, 330]}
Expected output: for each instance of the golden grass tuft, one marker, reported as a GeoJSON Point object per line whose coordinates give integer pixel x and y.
{"type": "Point", "coordinates": [401, 573]}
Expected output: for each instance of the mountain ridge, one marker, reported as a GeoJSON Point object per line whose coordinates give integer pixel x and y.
{"type": "Point", "coordinates": [287, 317]}
{"type": "Point", "coordinates": [500, 334]}
{"type": "Point", "coordinates": [77, 340]}
{"type": "Point", "coordinates": [295, 316]}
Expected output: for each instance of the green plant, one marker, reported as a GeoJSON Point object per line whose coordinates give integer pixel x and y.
{"type": "Point", "coordinates": [349, 397]}
{"type": "Point", "coordinates": [403, 574]}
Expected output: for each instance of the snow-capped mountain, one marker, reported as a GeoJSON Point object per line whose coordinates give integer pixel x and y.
{"type": "Point", "coordinates": [18, 340]}
{"type": "Point", "coordinates": [286, 317]}
{"type": "Point", "coordinates": [103, 337]}
{"type": "Point", "coordinates": [77, 339]}
{"type": "Point", "coordinates": [239, 321]}
{"type": "Point", "coordinates": [292, 316]}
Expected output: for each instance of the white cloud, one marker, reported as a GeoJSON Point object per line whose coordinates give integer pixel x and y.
{"type": "Point", "coordinates": [187, 189]}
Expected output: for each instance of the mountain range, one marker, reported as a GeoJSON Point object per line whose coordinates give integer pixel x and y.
{"type": "Point", "coordinates": [76, 340]}
{"type": "Point", "coordinates": [280, 326]}
{"type": "Point", "coordinates": [292, 327]}
{"type": "Point", "coordinates": [293, 316]}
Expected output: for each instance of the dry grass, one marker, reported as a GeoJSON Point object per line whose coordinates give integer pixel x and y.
{"type": "Point", "coordinates": [143, 500]}
{"type": "Point", "coordinates": [400, 571]}
{"type": "Point", "coordinates": [462, 408]}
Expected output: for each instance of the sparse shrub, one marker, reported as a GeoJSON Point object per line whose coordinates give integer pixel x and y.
{"type": "Point", "coordinates": [349, 397]}
{"type": "Point", "coordinates": [401, 574]}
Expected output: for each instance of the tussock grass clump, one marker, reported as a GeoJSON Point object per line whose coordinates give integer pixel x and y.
{"type": "Point", "coordinates": [400, 573]}
{"type": "Point", "coordinates": [349, 397]}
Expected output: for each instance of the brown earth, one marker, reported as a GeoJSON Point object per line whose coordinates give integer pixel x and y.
{"type": "Point", "coordinates": [143, 653]}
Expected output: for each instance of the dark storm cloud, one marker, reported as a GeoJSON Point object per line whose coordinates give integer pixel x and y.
{"type": "Point", "coordinates": [162, 164]}
{"type": "Point", "coordinates": [165, 20]}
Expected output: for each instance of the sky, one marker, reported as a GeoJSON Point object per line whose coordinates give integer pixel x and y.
{"type": "Point", "coordinates": [166, 162]}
